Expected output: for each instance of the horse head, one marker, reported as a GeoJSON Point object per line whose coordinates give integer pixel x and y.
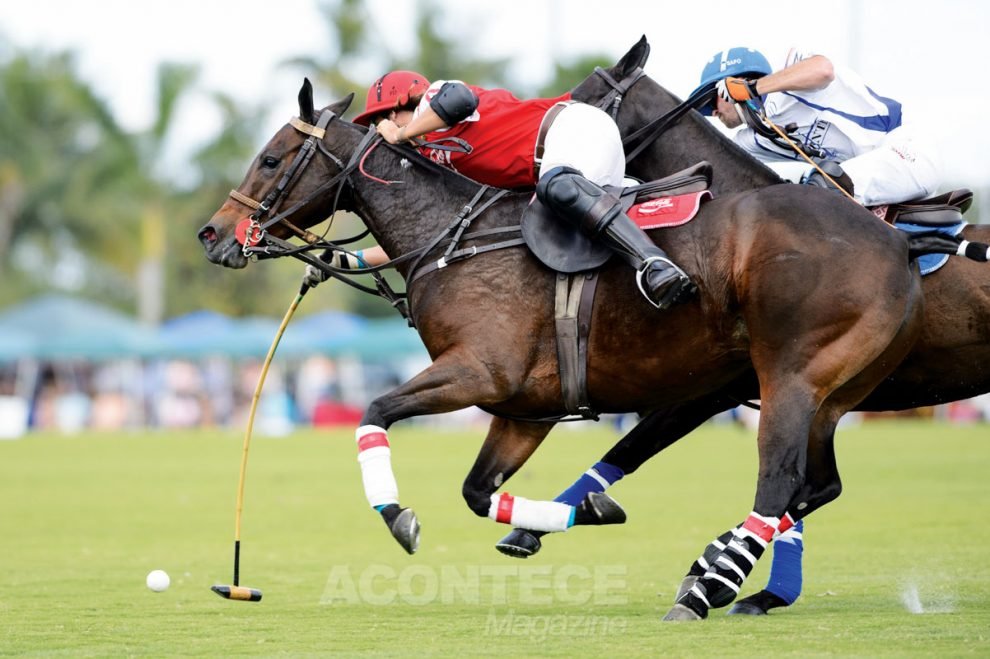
{"type": "Point", "coordinates": [281, 194]}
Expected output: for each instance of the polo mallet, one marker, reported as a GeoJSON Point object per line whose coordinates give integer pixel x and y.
{"type": "Point", "coordinates": [237, 591]}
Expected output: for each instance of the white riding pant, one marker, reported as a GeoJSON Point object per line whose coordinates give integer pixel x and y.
{"type": "Point", "coordinates": [585, 138]}
{"type": "Point", "coordinates": [904, 167]}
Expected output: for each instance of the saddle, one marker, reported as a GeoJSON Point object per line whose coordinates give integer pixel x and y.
{"type": "Point", "coordinates": [561, 247]}
{"type": "Point", "coordinates": [944, 210]}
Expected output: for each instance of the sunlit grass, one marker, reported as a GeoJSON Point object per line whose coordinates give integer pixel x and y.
{"type": "Point", "coordinates": [894, 567]}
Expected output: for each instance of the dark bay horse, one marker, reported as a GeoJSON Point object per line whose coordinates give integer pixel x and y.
{"type": "Point", "coordinates": [951, 359]}
{"type": "Point", "coordinates": [787, 281]}
{"type": "Point", "coordinates": [948, 362]}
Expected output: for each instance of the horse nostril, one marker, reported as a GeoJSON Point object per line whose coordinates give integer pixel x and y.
{"type": "Point", "coordinates": [207, 236]}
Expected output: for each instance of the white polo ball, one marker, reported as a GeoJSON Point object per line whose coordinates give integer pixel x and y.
{"type": "Point", "coordinates": [157, 580]}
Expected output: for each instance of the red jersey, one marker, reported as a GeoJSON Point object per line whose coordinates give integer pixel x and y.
{"type": "Point", "coordinates": [501, 133]}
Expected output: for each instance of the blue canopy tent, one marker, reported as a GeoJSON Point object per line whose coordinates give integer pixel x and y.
{"type": "Point", "coordinates": [63, 327]}
{"type": "Point", "coordinates": [322, 332]}
{"type": "Point", "coordinates": [208, 333]}
{"type": "Point", "coordinates": [382, 340]}
{"type": "Point", "coordinates": [16, 344]}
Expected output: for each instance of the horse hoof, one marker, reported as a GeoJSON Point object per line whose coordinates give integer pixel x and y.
{"type": "Point", "coordinates": [745, 609]}
{"type": "Point", "coordinates": [681, 613]}
{"type": "Point", "coordinates": [519, 543]}
{"type": "Point", "coordinates": [405, 529]}
{"type": "Point", "coordinates": [602, 509]}
{"type": "Point", "coordinates": [757, 604]}
{"type": "Point", "coordinates": [686, 585]}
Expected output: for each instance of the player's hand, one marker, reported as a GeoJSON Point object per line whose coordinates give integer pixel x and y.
{"type": "Point", "coordinates": [392, 132]}
{"type": "Point", "coordinates": [737, 90]}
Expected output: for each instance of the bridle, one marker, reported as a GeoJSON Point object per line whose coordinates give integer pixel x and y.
{"type": "Point", "coordinates": [255, 232]}
{"type": "Point", "coordinates": [252, 232]}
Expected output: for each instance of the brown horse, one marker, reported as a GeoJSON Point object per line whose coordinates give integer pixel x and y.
{"type": "Point", "coordinates": [948, 362]}
{"type": "Point", "coordinates": [787, 282]}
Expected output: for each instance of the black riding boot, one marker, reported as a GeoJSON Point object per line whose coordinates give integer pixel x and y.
{"type": "Point", "coordinates": [599, 215]}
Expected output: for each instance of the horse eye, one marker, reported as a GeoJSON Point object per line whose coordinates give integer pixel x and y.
{"type": "Point", "coordinates": [269, 162]}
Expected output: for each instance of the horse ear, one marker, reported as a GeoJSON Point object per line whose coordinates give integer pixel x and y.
{"type": "Point", "coordinates": [636, 56]}
{"type": "Point", "coordinates": [340, 107]}
{"type": "Point", "coordinates": [306, 112]}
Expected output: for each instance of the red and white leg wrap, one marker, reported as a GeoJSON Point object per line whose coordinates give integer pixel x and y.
{"type": "Point", "coordinates": [374, 456]}
{"type": "Point", "coordinates": [546, 516]}
{"type": "Point", "coordinates": [762, 529]}
{"type": "Point", "coordinates": [786, 524]}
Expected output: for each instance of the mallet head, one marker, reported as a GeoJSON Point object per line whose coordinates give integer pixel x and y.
{"type": "Point", "coordinates": [237, 593]}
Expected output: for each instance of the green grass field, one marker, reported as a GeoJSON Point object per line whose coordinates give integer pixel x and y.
{"type": "Point", "coordinates": [896, 566]}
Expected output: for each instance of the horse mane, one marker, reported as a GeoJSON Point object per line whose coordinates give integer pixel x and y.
{"type": "Point", "coordinates": [729, 144]}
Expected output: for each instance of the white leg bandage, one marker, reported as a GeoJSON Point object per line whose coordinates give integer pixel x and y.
{"type": "Point", "coordinates": [533, 515]}
{"type": "Point", "coordinates": [374, 456]}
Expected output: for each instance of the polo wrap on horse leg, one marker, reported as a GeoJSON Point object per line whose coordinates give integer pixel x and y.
{"type": "Point", "coordinates": [599, 215]}
{"type": "Point", "coordinates": [380, 487]}
{"type": "Point", "coordinates": [727, 570]}
{"type": "Point", "coordinates": [375, 458]}
{"type": "Point", "coordinates": [549, 516]}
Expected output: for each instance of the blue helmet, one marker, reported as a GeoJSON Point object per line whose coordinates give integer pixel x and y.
{"type": "Point", "coordinates": [737, 62]}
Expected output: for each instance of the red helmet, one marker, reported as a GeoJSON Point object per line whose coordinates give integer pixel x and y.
{"type": "Point", "coordinates": [391, 91]}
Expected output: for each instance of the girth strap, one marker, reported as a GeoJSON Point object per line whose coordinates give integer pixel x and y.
{"type": "Point", "coordinates": [573, 303]}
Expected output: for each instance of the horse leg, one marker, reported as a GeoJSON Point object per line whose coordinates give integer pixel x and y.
{"type": "Point", "coordinates": [652, 434]}
{"type": "Point", "coordinates": [784, 584]}
{"type": "Point", "coordinates": [811, 476]}
{"type": "Point", "coordinates": [507, 447]}
{"type": "Point", "coordinates": [822, 486]}
{"type": "Point", "coordinates": [439, 388]}
{"type": "Point", "coordinates": [716, 577]}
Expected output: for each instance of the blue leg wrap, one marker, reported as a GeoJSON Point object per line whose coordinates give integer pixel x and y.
{"type": "Point", "coordinates": [785, 571]}
{"type": "Point", "coordinates": [604, 476]}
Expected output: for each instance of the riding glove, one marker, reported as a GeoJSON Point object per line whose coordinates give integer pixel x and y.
{"type": "Point", "coordinates": [737, 90]}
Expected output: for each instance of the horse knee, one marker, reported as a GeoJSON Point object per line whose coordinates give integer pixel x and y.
{"type": "Point", "coordinates": [813, 498]}
{"type": "Point", "coordinates": [831, 492]}
{"type": "Point", "coordinates": [478, 501]}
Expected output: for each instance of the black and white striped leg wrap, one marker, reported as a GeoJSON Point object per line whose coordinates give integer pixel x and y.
{"type": "Point", "coordinates": [712, 551]}
{"type": "Point", "coordinates": [725, 572]}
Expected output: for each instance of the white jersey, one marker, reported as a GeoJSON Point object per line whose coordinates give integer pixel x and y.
{"type": "Point", "coordinates": [844, 119]}
{"type": "Point", "coordinates": [850, 123]}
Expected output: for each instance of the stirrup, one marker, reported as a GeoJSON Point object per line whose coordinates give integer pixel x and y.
{"type": "Point", "coordinates": [641, 273]}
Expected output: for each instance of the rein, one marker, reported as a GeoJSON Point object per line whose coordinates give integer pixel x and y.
{"type": "Point", "coordinates": [648, 133]}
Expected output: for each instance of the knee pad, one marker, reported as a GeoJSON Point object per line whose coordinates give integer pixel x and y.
{"type": "Point", "coordinates": [573, 197]}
